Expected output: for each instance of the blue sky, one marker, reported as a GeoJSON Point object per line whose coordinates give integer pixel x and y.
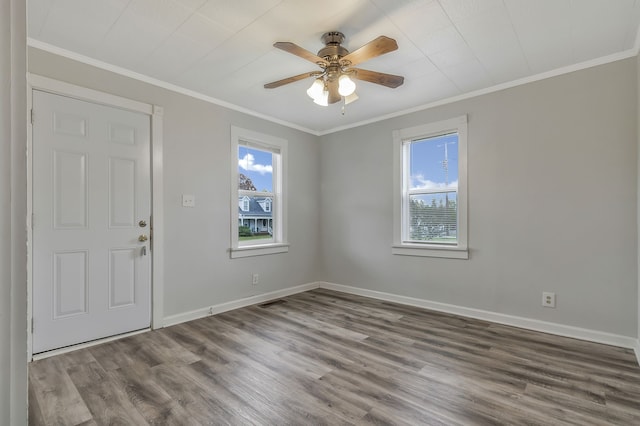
{"type": "Point", "coordinates": [427, 169]}
{"type": "Point", "coordinates": [258, 166]}
{"type": "Point", "coordinates": [427, 158]}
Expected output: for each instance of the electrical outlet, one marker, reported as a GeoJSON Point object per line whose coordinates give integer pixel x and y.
{"type": "Point", "coordinates": [548, 299]}
{"type": "Point", "coordinates": [255, 278]}
{"type": "Point", "coordinates": [188, 200]}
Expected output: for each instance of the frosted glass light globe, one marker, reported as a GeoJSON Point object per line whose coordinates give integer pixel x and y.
{"type": "Point", "coordinates": [346, 86]}
{"type": "Point", "coordinates": [316, 89]}
{"type": "Point", "coordinates": [323, 99]}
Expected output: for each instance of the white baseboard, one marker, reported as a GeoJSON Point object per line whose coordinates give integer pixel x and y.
{"type": "Point", "coordinates": [235, 304]}
{"type": "Point", "coordinates": [67, 349]}
{"type": "Point", "coordinates": [515, 321]}
{"type": "Point", "coordinates": [521, 322]}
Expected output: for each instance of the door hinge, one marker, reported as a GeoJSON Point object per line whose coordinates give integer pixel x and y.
{"type": "Point", "coordinates": [31, 115]}
{"type": "Point", "coordinates": [32, 322]}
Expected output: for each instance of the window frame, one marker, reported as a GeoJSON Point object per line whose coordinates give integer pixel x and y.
{"type": "Point", "coordinates": [279, 242]}
{"type": "Point", "coordinates": [401, 140]}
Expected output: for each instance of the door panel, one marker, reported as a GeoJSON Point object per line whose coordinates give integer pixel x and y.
{"type": "Point", "coordinates": [70, 284]}
{"type": "Point", "coordinates": [70, 190]}
{"type": "Point", "coordinates": [122, 193]}
{"type": "Point", "coordinates": [91, 187]}
{"type": "Point", "coordinates": [122, 277]}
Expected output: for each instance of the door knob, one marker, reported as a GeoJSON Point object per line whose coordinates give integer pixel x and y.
{"type": "Point", "coordinates": [142, 224]}
{"type": "Point", "coordinates": [142, 238]}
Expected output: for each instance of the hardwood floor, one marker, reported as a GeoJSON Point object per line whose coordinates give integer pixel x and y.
{"type": "Point", "coordinates": [323, 357]}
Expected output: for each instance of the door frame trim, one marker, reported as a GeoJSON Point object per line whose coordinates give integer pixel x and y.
{"type": "Point", "coordinates": [155, 112]}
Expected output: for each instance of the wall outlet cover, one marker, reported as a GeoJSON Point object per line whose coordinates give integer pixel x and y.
{"type": "Point", "coordinates": [188, 200]}
{"type": "Point", "coordinates": [548, 299]}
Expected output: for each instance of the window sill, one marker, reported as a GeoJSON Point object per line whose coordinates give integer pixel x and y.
{"type": "Point", "coordinates": [258, 250]}
{"type": "Point", "coordinates": [430, 251]}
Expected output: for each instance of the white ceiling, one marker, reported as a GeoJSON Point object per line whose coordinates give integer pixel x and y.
{"type": "Point", "coordinates": [222, 49]}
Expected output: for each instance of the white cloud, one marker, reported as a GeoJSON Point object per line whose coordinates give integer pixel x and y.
{"type": "Point", "coordinates": [247, 163]}
{"type": "Point", "coordinates": [419, 182]}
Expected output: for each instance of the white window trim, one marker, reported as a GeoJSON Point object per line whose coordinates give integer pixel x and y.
{"type": "Point", "coordinates": [279, 244]}
{"type": "Point", "coordinates": [400, 247]}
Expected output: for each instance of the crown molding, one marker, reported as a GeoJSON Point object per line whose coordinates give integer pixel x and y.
{"type": "Point", "coordinates": [498, 87]}
{"type": "Point", "coordinates": [37, 44]}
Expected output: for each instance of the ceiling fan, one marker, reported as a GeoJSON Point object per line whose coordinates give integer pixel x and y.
{"type": "Point", "coordinates": [333, 81]}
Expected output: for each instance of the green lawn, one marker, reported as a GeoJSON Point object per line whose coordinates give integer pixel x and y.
{"type": "Point", "coordinates": [443, 240]}
{"type": "Point", "coordinates": [255, 237]}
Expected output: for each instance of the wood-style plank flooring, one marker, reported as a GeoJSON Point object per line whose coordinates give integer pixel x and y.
{"type": "Point", "coordinates": [323, 357]}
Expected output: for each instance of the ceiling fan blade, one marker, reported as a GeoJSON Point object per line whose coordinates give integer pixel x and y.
{"type": "Point", "coordinates": [334, 96]}
{"type": "Point", "coordinates": [299, 51]}
{"type": "Point", "coordinates": [293, 79]}
{"type": "Point", "coordinates": [376, 77]}
{"type": "Point", "coordinates": [377, 47]}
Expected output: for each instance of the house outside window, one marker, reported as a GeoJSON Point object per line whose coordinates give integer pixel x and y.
{"type": "Point", "coordinates": [259, 208]}
{"type": "Point", "coordinates": [430, 191]}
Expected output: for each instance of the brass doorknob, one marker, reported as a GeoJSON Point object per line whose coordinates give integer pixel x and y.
{"type": "Point", "coordinates": [142, 238]}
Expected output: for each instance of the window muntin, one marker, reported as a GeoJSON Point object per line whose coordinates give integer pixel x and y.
{"type": "Point", "coordinates": [430, 190]}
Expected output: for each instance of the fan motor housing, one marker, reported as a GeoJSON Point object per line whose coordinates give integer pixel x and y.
{"type": "Point", "coordinates": [333, 50]}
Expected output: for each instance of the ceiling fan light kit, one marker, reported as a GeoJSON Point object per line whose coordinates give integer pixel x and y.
{"type": "Point", "coordinates": [334, 82]}
{"type": "Point", "coordinates": [316, 89]}
{"type": "Point", "coordinates": [322, 99]}
{"type": "Point", "coordinates": [346, 86]}
{"type": "Point", "coordinates": [351, 98]}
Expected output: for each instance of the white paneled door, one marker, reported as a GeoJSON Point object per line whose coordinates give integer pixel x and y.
{"type": "Point", "coordinates": [91, 221]}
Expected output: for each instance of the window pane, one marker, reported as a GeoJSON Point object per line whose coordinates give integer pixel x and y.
{"type": "Point", "coordinates": [434, 163]}
{"type": "Point", "coordinates": [255, 218]}
{"type": "Point", "coordinates": [255, 169]}
{"type": "Point", "coordinates": [433, 217]}
{"type": "Point", "coordinates": [255, 213]}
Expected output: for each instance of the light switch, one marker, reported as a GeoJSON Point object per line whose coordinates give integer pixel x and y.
{"type": "Point", "coordinates": [188, 200]}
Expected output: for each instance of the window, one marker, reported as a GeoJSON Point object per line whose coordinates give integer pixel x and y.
{"type": "Point", "coordinates": [258, 188]}
{"type": "Point", "coordinates": [243, 203]}
{"type": "Point", "coordinates": [430, 192]}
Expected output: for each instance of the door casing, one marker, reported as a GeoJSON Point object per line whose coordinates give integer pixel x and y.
{"type": "Point", "coordinates": [155, 112]}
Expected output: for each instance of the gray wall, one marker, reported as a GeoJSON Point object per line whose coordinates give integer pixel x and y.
{"type": "Point", "coordinates": [552, 201]}
{"type": "Point", "coordinates": [198, 270]}
{"type": "Point", "coordinates": [5, 203]}
{"type": "Point", "coordinates": [13, 296]}
{"type": "Point", "coordinates": [552, 204]}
